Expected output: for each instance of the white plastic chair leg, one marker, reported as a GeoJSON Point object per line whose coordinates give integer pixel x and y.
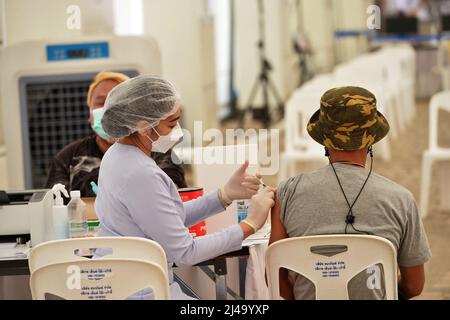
{"type": "Point", "coordinates": [282, 175]}
{"type": "Point", "coordinates": [444, 176]}
{"type": "Point", "coordinates": [406, 107]}
{"type": "Point", "coordinates": [391, 117]}
{"type": "Point", "coordinates": [383, 150]}
{"type": "Point", "coordinates": [292, 167]}
{"type": "Point", "coordinates": [412, 106]}
{"type": "Point", "coordinates": [400, 109]}
{"type": "Point", "coordinates": [427, 164]}
{"type": "Point", "coordinates": [399, 115]}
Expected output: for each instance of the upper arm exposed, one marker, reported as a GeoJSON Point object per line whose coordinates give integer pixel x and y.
{"type": "Point", "coordinates": [412, 280]}
{"type": "Point", "coordinates": [278, 231]}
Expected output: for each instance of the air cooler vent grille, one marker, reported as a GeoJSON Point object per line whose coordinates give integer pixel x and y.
{"type": "Point", "coordinates": [54, 113]}
{"type": "Point", "coordinates": [57, 116]}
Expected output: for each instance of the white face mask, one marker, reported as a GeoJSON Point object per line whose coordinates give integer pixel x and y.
{"type": "Point", "coordinates": [165, 143]}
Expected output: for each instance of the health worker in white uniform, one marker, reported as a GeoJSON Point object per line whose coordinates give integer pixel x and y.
{"type": "Point", "coordinates": [137, 199]}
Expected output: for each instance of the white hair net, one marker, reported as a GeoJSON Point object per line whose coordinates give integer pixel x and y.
{"type": "Point", "coordinates": [138, 104]}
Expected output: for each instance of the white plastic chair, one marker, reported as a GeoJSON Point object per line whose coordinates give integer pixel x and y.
{"type": "Point", "coordinates": [407, 56]}
{"type": "Point", "coordinates": [443, 67]}
{"type": "Point", "coordinates": [370, 74]}
{"type": "Point", "coordinates": [399, 63]}
{"type": "Point", "coordinates": [122, 248]}
{"type": "Point", "coordinates": [105, 279]}
{"type": "Point", "coordinates": [299, 146]}
{"type": "Point", "coordinates": [440, 101]}
{"type": "Point", "coordinates": [356, 252]}
{"type": "Point", "coordinates": [393, 69]}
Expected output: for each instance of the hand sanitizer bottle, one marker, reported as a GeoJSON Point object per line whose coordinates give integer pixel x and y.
{"type": "Point", "coordinates": [60, 214]}
{"type": "Point", "coordinates": [78, 226]}
{"type": "Point", "coordinates": [242, 209]}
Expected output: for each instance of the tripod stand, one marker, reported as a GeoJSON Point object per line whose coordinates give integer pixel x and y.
{"type": "Point", "coordinates": [263, 80]}
{"type": "Point", "coordinates": [302, 48]}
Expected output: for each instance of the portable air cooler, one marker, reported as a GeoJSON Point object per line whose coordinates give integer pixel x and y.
{"type": "Point", "coordinates": [43, 89]}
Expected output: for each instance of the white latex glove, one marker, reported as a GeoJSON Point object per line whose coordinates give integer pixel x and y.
{"type": "Point", "coordinates": [260, 206]}
{"type": "Point", "coordinates": [241, 185]}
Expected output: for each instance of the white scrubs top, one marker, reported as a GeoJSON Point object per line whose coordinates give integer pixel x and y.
{"type": "Point", "coordinates": [137, 199]}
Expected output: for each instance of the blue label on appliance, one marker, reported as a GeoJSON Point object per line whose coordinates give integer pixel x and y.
{"type": "Point", "coordinates": [78, 51]}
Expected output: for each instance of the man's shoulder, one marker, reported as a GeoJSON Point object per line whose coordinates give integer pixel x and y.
{"type": "Point", "coordinates": [312, 177]}
{"type": "Point", "coordinates": [391, 186]}
{"type": "Point", "coordinates": [382, 185]}
{"type": "Point", "coordinates": [82, 146]}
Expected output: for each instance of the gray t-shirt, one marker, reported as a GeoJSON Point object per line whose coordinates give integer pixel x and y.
{"type": "Point", "coordinates": [313, 204]}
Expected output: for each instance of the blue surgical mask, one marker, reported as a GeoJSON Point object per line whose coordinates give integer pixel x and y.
{"type": "Point", "coordinates": [97, 123]}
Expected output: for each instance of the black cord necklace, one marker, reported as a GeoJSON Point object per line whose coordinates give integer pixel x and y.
{"type": "Point", "coordinates": [350, 218]}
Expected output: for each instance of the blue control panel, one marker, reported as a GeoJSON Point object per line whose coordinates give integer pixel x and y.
{"type": "Point", "coordinates": [63, 52]}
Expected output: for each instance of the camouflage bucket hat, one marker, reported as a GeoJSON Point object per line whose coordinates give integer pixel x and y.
{"type": "Point", "coordinates": [348, 120]}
